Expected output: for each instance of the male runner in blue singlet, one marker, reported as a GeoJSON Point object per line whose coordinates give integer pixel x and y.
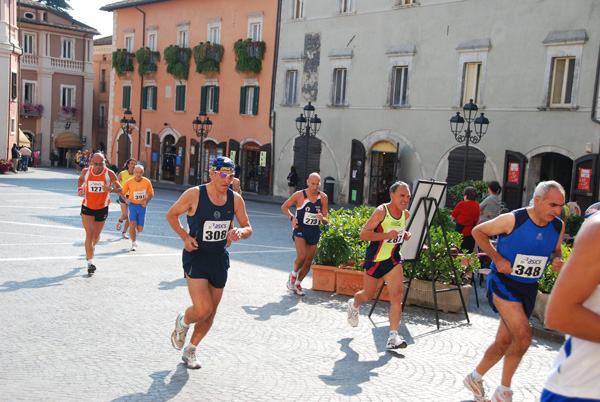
{"type": "Point", "coordinates": [311, 209]}
{"type": "Point", "coordinates": [386, 231]}
{"type": "Point", "coordinates": [210, 210]}
{"type": "Point", "coordinates": [528, 239]}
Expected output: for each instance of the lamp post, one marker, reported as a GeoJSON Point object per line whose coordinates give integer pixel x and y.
{"type": "Point", "coordinates": [127, 123]}
{"type": "Point", "coordinates": [456, 126]}
{"type": "Point", "coordinates": [308, 126]}
{"type": "Point", "coordinates": [202, 126]}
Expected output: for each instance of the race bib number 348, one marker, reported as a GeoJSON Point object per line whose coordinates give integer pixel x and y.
{"type": "Point", "coordinates": [529, 266]}
{"type": "Point", "coordinates": [215, 230]}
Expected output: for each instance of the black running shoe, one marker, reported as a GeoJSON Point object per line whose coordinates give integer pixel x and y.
{"type": "Point", "coordinates": [91, 269]}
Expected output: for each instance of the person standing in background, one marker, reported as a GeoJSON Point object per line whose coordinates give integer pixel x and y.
{"type": "Point", "coordinates": [292, 180]}
{"type": "Point", "coordinates": [466, 216]}
{"type": "Point", "coordinates": [490, 206]}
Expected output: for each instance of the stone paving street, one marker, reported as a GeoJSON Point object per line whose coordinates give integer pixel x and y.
{"type": "Point", "coordinates": [67, 337]}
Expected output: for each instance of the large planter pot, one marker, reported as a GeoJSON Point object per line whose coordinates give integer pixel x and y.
{"type": "Point", "coordinates": [541, 301]}
{"type": "Point", "coordinates": [324, 277]}
{"type": "Point", "coordinates": [349, 281]}
{"type": "Point", "coordinates": [421, 294]}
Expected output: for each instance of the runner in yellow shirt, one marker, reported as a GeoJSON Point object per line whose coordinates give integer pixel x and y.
{"type": "Point", "coordinates": [140, 193]}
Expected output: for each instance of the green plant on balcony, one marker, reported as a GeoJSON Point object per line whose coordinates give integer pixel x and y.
{"type": "Point", "coordinates": [122, 61]}
{"type": "Point", "coordinates": [249, 55]}
{"type": "Point", "coordinates": [178, 61]}
{"type": "Point", "coordinates": [208, 58]}
{"type": "Point", "coordinates": [147, 60]}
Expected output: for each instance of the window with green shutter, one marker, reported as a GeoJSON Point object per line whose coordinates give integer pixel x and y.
{"type": "Point", "coordinates": [249, 100]}
{"type": "Point", "coordinates": [149, 97]}
{"type": "Point", "coordinates": [180, 98]}
{"type": "Point", "coordinates": [209, 99]}
{"type": "Point", "coordinates": [126, 104]}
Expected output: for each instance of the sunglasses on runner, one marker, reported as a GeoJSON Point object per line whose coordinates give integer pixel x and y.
{"type": "Point", "coordinates": [98, 164]}
{"type": "Point", "coordinates": [225, 175]}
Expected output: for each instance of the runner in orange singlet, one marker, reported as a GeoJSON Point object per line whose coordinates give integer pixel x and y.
{"type": "Point", "coordinates": [140, 193]}
{"type": "Point", "coordinates": [95, 184]}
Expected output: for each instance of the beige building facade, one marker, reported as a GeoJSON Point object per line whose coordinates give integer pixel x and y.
{"type": "Point", "coordinates": [386, 77]}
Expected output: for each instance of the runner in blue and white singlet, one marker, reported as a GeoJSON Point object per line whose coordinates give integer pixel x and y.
{"type": "Point", "coordinates": [311, 210]}
{"type": "Point", "coordinates": [528, 240]}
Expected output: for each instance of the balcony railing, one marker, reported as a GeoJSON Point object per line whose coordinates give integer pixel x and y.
{"type": "Point", "coordinates": [66, 64]}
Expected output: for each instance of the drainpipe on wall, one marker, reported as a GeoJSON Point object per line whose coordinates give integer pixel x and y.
{"type": "Point", "coordinates": [141, 85]}
{"type": "Point", "coordinates": [272, 113]}
{"type": "Point", "coordinates": [595, 118]}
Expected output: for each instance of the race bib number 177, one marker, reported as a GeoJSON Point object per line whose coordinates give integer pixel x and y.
{"type": "Point", "coordinates": [529, 266]}
{"type": "Point", "coordinates": [95, 186]}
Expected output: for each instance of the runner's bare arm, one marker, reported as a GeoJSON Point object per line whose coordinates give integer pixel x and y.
{"type": "Point", "coordinates": [115, 182]}
{"type": "Point", "coordinates": [322, 216]}
{"type": "Point", "coordinates": [367, 233]}
{"type": "Point", "coordinates": [578, 279]}
{"type": "Point", "coordinates": [499, 225]}
{"type": "Point", "coordinates": [557, 261]}
{"type": "Point", "coordinates": [245, 230]}
{"type": "Point", "coordinates": [186, 203]}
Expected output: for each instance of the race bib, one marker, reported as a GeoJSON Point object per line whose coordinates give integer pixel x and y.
{"type": "Point", "coordinates": [139, 195]}
{"type": "Point", "coordinates": [398, 239]}
{"type": "Point", "coordinates": [95, 186]}
{"type": "Point", "coordinates": [215, 230]}
{"type": "Point", "coordinates": [310, 219]}
{"type": "Point", "coordinates": [529, 266]}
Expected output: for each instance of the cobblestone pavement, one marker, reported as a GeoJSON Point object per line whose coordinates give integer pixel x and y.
{"type": "Point", "coordinates": [67, 337]}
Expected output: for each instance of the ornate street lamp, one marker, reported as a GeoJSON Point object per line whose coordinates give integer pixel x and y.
{"type": "Point", "coordinates": [202, 126]}
{"type": "Point", "coordinates": [127, 123]}
{"type": "Point", "coordinates": [456, 125]}
{"type": "Point", "coordinates": [308, 126]}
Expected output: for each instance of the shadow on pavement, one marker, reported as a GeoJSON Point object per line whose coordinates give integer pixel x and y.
{"type": "Point", "coordinates": [263, 313]}
{"type": "Point", "coordinates": [159, 389]}
{"type": "Point", "coordinates": [349, 372]}
{"type": "Point", "coordinates": [12, 286]}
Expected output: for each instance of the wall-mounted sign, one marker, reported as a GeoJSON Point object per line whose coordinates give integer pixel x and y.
{"type": "Point", "coordinates": [154, 156]}
{"type": "Point", "coordinates": [263, 158]}
{"type": "Point", "coordinates": [585, 178]}
{"type": "Point", "coordinates": [178, 160]}
{"type": "Point", "coordinates": [513, 172]}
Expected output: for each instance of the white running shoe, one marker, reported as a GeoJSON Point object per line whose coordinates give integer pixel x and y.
{"type": "Point", "coordinates": [352, 314]}
{"type": "Point", "coordinates": [396, 343]}
{"type": "Point", "coordinates": [298, 290]}
{"type": "Point", "coordinates": [476, 387]}
{"type": "Point", "coordinates": [291, 281]}
{"type": "Point", "coordinates": [505, 396]}
{"type": "Point", "coordinates": [189, 357]}
{"type": "Point", "coordinates": [125, 236]}
{"type": "Point", "coordinates": [178, 335]}
{"type": "Point", "coordinates": [133, 247]}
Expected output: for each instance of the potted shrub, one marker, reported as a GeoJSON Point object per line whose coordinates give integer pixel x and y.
{"type": "Point", "coordinates": [5, 165]}
{"type": "Point", "coordinates": [208, 58]}
{"type": "Point", "coordinates": [178, 61]}
{"type": "Point", "coordinates": [147, 61]}
{"type": "Point", "coordinates": [249, 55]}
{"type": "Point", "coordinates": [465, 264]}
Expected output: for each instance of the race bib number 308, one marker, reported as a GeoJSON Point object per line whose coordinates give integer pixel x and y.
{"type": "Point", "coordinates": [95, 186]}
{"type": "Point", "coordinates": [215, 230]}
{"type": "Point", "coordinates": [529, 266]}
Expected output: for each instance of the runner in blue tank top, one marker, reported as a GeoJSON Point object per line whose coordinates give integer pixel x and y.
{"type": "Point", "coordinates": [311, 209]}
{"type": "Point", "coordinates": [210, 209]}
{"type": "Point", "coordinates": [528, 240]}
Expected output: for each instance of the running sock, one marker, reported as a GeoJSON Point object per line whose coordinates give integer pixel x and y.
{"type": "Point", "coordinates": [393, 334]}
{"type": "Point", "coordinates": [477, 376]}
{"type": "Point", "coordinates": [502, 388]}
{"type": "Point", "coordinates": [297, 282]}
{"type": "Point", "coordinates": [90, 262]}
{"type": "Point", "coordinates": [191, 346]}
{"type": "Point", "coordinates": [182, 323]}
